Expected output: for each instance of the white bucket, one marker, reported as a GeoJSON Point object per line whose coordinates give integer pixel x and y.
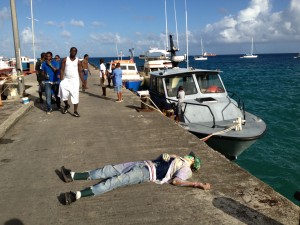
{"type": "Point", "coordinates": [25, 100]}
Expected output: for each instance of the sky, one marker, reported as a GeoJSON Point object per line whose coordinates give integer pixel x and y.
{"type": "Point", "coordinates": [104, 28]}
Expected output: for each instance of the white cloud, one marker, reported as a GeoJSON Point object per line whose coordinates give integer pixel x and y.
{"type": "Point", "coordinates": [65, 34]}
{"type": "Point", "coordinates": [98, 24]}
{"type": "Point", "coordinates": [50, 23]}
{"type": "Point", "coordinates": [106, 38]}
{"type": "Point", "coordinates": [26, 35]}
{"type": "Point", "coordinates": [77, 23]}
{"type": "Point", "coordinates": [4, 13]}
{"type": "Point", "coordinates": [256, 20]}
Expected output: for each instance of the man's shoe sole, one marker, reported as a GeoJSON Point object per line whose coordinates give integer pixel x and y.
{"type": "Point", "coordinates": [66, 178]}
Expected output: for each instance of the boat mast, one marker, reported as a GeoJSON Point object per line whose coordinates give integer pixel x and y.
{"type": "Point", "coordinates": [166, 18]}
{"type": "Point", "coordinates": [252, 47]}
{"type": "Point", "coordinates": [176, 24]}
{"type": "Point", "coordinates": [187, 41]}
{"type": "Point", "coordinates": [201, 47]}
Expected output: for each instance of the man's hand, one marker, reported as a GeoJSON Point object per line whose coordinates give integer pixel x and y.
{"type": "Point", "coordinates": [166, 157]}
{"type": "Point", "coordinates": [205, 186]}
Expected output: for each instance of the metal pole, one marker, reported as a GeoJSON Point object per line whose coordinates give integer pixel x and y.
{"type": "Point", "coordinates": [21, 84]}
{"type": "Point", "coordinates": [32, 29]}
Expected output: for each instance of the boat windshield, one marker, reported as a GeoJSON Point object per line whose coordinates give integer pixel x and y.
{"type": "Point", "coordinates": [210, 83]}
{"type": "Point", "coordinates": [186, 81]}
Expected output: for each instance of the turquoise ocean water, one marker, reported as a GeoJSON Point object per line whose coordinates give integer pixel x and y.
{"type": "Point", "coordinates": [270, 89]}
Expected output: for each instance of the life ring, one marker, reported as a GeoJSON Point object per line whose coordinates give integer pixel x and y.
{"type": "Point", "coordinates": [214, 89]}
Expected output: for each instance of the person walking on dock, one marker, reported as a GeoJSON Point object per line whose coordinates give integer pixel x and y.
{"type": "Point", "coordinates": [49, 67]}
{"type": "Point", "coordinates": [71, 70]}
{"type": "Point", "coordinates": [40, 76]}
{"type": "Point", "coordinates": [102, 75]}
{"type": "Point", "coordinates": [85, 70]}
{"type": "Point", "coordinates": [165, 169]}
{"type": "Point", "coordinates": [57, 82]}
{"type": "Point", "coordinates": [117, 80]}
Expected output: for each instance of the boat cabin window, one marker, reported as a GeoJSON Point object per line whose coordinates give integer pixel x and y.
{"type": "Point", "coordinates": [209, 83]}
{"type": "Point", "coordinates": [173, 83]}
{"type": "Point", "coordinates": [123, 67]}
{"type": "Point", "coordinates": [131, 68]}
{"type": "Point", "coordinates": [157, 85]}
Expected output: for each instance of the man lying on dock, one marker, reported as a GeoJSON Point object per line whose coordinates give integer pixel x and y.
{"type": "Point", "coordinates": [165, 169]}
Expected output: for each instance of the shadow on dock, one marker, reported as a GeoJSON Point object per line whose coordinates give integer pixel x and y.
{"type": "Point", "coordinates": [241, 212]}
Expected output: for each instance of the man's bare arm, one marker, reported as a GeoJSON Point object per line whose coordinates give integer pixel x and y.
{"type": "Point", "coordinates": [182, 183]}
{"type": "Point", "coordinates": [62, 71]}
{"type": "Point", "coordinates": [80, 72]}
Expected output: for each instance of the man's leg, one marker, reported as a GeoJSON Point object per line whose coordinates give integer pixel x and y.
{"type": "Point", "coordinates": [48, 97]}
{"type": "Point", "coordinates": [57, 99]}
{"type": "Point", "coordinates": [41, 87]}
{"type": "Point", "coordinates": [66, 107]}
{"type": "Point", "coordinates": [139, 173]}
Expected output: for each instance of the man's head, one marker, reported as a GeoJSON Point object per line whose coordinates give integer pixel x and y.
{"type": "Point", "coordinates": [43, 56]}
{"type": "Point", "coordinates": [73, 52]}
{"type": "Point", "coordinates": [101, 61]}
{"type": "Point", "coordinates": [86, 57]}
{"type": "Point", "coordinates": [118, 65]}
{"type": "Point", "coordinates": [196, 161]}
{"type": "Point", "coordinates": [57, 58]}
{"type": "Point", "coordinates": [49, 56]}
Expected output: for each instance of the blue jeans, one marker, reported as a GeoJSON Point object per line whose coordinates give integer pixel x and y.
{"type": "Point", "coordinates": [48, 92]}
{"type": "Point", "coordinates": [119, 176]}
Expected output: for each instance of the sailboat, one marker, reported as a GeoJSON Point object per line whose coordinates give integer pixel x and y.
{"type": "Point", "coordinates": [249, 56]}
{"type": "Point", "coordinates": [202, 56]}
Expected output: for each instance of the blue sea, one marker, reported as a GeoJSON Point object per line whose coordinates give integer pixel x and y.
{"type": "Point", "coordinates": [270, 89]}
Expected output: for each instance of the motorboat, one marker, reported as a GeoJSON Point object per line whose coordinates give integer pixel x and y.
{"type": "Point", "coordinates": [251, 55]}
{"type": "Point", "coordinates": [130, 76]}
{"type": "Point", "coordinates": [209, 111]}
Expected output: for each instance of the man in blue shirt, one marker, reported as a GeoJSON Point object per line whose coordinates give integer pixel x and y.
{"type": "Point", "coordinates": [117, 78]}
{"type": "Point", "coordinates": [49, 68]}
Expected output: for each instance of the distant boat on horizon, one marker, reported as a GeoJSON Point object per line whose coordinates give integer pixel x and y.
{"type": "Point", "coordinates": [249, 56]}
{"type": "Point", "coordinates": [298, 56]}
{"type": "Point", "coordinates": [201, 57]}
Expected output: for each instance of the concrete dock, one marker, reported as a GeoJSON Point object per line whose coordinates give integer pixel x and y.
{"type": "Point", "coordinates": [34, 148]}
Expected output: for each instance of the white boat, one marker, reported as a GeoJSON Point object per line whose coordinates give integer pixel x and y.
{"type": "Point", "coordinates": [249, 56]}
{"type": "Point", "coordinates": [298, 56]}
{"type": "Point", "coordinates": [207, 109]}
{"type": "Point", "coordinates": [202, 56]}
{"type": "Point", "coordinates": [155, 59]}
{"type": "Point", "coordinates": [130, 76]}
{"type": "Point", "coordinates": [5, 66]}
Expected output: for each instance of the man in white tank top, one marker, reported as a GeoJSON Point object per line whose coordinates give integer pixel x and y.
{"type": "Point", "coordinates": [69, 86]}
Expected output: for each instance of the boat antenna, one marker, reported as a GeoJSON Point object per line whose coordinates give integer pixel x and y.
{"type": "Point", "coordinates": [187, 39]}
{"type": "Point", "coordinates": [166, 18]}
{"type": "Point", "coordinates": [176, 24]}
{"type": "Point", "coordinates": [117, 50]}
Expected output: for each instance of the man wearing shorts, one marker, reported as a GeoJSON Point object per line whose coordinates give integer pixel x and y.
{"type": "Point", "coordinates": [85, 70]}
{"type": "Point", "coordinates": [117, 78]}
{"type": "Point", "coordinates": [71, 70]}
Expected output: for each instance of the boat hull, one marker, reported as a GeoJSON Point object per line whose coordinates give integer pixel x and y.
{"type": "Point", "coordinates": [230, 147]}
{"type": "Point", "coordinates": [133, 85]}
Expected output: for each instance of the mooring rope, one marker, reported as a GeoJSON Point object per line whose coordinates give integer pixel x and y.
{"type": "Point", "coordinates": [237, 125]}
